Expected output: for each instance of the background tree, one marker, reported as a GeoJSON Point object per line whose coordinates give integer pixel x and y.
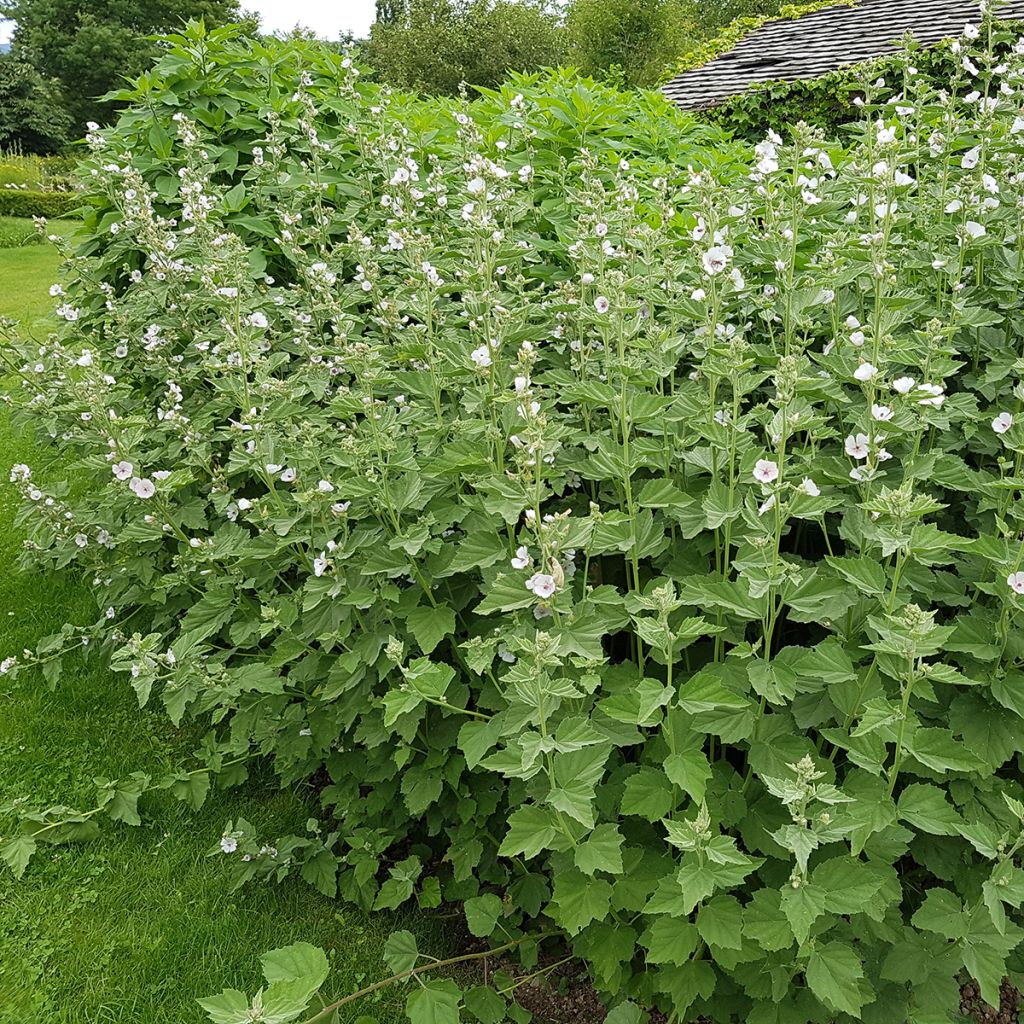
{"type": "Point", "coordinates": [630, 40]}
{"type": "Point", "coordinates": [90, 48]}
{"type": "Point", "coordinates": [32, 116]}
{"type": "Point", "coordinates": [435, 45]}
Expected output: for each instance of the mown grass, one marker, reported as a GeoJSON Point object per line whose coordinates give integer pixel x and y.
{"type": "Point", "coordinates": [133, 927]}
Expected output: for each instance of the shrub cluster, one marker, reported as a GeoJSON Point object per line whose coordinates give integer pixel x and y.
{"type": "Point", "coordinates": [23, 202]}
{"type": "Point", "coordinates": [626, 535]}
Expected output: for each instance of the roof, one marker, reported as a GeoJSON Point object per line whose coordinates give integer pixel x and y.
{"type": "Point", "coordinates": [814, 44]}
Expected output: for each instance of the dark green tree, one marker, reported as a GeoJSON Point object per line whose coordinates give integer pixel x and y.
{"type": "Point", "coordinates": [32, 115]}
{"type": "Point", "coordinates": [91, 47]}
{"type": "Point", "coordinates": [435, 45]}
{"type": "Point", "coordinates": [629, 40]}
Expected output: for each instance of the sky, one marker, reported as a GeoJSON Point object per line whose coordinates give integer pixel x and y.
{"type": "Point", "coordinates": [328, 18]}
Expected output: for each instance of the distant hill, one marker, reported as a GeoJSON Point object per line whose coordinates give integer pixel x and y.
{"type": "Point", "coordinates": [5, 47]}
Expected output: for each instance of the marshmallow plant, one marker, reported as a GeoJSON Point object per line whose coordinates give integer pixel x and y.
{"type": "Point", "coordinates": [621, 526]}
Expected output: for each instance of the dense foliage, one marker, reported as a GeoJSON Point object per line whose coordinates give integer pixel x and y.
{"type": "Point", "coordinates": [88, 49]}
{"type": "Point", "coordinates": [627, 536]}
{"type": "Point", "coordinates": [437, 45]}
{"type": "Point", "coordinates": [32, 117]}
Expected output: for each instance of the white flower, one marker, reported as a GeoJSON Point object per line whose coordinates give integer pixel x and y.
{"type": "Point", "coordinates": [881, 412]}
{"type": "Point", "coordinates": [273, 467]}
{"type": "Point", "coordinates": [142, 488]}
{"type": "Point", "coordinates": [934, 393]}
{"type": "Point", "coordinates": [476, 186]}
{"type": "Point", "coordinates": [587, 278]}
{"type": "Point", "coordinates": [766, 471]}
{"type": "Point", "coordinates": [903, 384]}
{"type": "Point", "coordinates": [809, 487]}
{"type": "Point", "coordinates": [857, 338]}
{"type": "Point", "coordinates": [541, 584]}
{"type": "Point", "coordinates": [325, 487]}
{"type": "Point", "coordinates": [970, 158]}
{"type": "Point", "coordinates": [767, 505]}
{"type": "Point", "coordinates": [122, 470]}
{"type": "Point", "coordinates": [716, 259]}
{"type": "Point", "coordinates": [258, 319]}
{"type": "Point", "coordinates": [522, 558]}
{"type": "Point", "coordinates": [320, 564]}
{"type": "Point", "coordinates": [20, 472]}
{"type": "Point", "coordinates": [954, 206]}
{"type": "Point", "coordinates": [852, 322]}
{"type": "Point", "coordinates": [699, 295]}
{"type": "Point", "coordinates": [7, 664]}
{"type": "Point", "coordinates": [974, 229]}
{"type": "Point", "coordinates": [288, 475]}
{"type": "Point", "coordinates": [521, 385]}
{"type": "Point", "coordinates": [1016, 582]}
{"type": "Point", "coordinates": [865, 372]}
{"type": "Point", "coordinates": [228, 844]}
{"type": "Point", "coordinates": [857, 446]}
{"type": "Point", "coordinates": [1002, 423]}
{"type": "Point", "coordinates": [601, 304]}
{"type": "Point", "coordinates": [481, 357]}
{"type": "Point", "coordinates": [886, 136]}
{"type": "Point", "coordinates": [601, 229]}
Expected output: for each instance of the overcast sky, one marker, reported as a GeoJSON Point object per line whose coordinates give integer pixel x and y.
{"type": "Point", "coordinates": [328, 18]}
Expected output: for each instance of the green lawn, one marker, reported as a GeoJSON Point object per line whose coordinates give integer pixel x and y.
{"type": "Point", "coordinates": [132, 927]}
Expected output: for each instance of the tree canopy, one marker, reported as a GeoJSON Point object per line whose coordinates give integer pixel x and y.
{"type": "Point", "coordinates": [89, 49]}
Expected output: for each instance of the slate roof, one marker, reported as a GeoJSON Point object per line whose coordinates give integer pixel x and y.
{"type": "Point", "coordinates": [815, 44]}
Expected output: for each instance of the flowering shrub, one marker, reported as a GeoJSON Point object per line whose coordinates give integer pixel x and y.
{"type": "Point", "coordinates": [627, 537]}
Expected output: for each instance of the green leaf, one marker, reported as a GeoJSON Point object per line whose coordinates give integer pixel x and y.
{"type": "Point", "coordinates": [532, 829]}
{"type": "Point", "coordinates": [834, 972]}
{"type": "Point", "coordinates": [230, 1007]}
{"type": "Point", "coordinates": [802, 907]}
{"type": "Point", "coordinates": [577, 900]}
{"type": "Point", "coordinates": [482, 913]}
{"type": "Point", "coordinates": [720, 922]}
{"type": "Point", "coordinates": [434, 1002]}
{"type": "Point", "coordinates": [401, 952]}
{"type": "Point", "coordinates": [647, 794]}
{"type": "Point", "coordinates": [690, 771]}
{"type": "Point", "coordinates": [485, 1005]}
{"type": "Point", "coordinates": [624, 1013]}
{"type": "Point", "coordinates": [1009, 691]}
{"type": "Point", "coordinates": [852, 886]}
{"type": "Point", "coordinates": [17, 852]}
{"type": "Point", "coordinates": [765, 922]}
{"type": "Point", "coordinates": [669, 940]}
{"type": "Point", "coordinates": [301, 962]}
{"type": "Point", "coordinates": [430, 625]}
{"type": "Point", "coordinates": [936, 749]}
{"type": "Point", "coordinates": [942, 913]}
{"type": "Point", "coordinates": [925, 807]}
{"type": "Point", "coordinates": [600, 851]}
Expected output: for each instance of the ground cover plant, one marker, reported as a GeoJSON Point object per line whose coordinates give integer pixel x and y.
{"type": "Point", "coordinates": [623, 529]}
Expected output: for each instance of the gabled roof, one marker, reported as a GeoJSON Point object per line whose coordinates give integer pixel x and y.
{"type": "Point", "coordinates": [815, 44]}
